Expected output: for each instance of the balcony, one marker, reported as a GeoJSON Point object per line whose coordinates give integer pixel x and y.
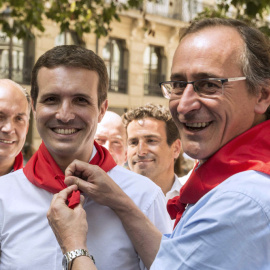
{"type": "Point", "coordinates": [151, 84]}
{"type": "Point", "coordinates": [118, 81]}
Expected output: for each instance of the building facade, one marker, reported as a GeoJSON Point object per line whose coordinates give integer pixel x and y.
{"type": "Point", "coordinates": [138, 53]}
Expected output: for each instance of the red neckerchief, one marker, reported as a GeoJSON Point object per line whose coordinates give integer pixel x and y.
{"type": "Point", "coordinates": [42, 171]}
{"type": "Point", "coordinates": [248, 151]}
{"type": "Point", "coordinates": [18, 163]}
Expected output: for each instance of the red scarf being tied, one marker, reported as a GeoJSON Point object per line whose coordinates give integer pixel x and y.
{"type": "Point", "coordinates": [248, 151]}
{"type": "Point", "coordinates": [18, 164]}
{"type": "Point", "coordinates": [42, 171]}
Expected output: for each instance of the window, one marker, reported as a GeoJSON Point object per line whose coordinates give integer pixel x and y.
{"type": "Point", "coordinates": [115, 56]}
{"type": "Point", "coordinates": [16, 58]}
{"type": "Point", "coordinates": [154, 70]}
{"type": "Point", "coordinates": [68, 38]}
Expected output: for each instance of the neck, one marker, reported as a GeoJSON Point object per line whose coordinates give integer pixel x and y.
{"type": "Point", "coordinates": [165, 182]}
{"type": "Point", "coordinates": [6, 166]}
{"type": "Point", "coordinates": [63, 161]}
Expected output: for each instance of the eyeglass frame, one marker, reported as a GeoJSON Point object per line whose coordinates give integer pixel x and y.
{"type": "Point", "coordinates": [222, 80]}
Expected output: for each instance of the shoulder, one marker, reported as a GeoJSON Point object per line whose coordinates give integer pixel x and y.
{"type": "Point", "coordinates": [8, 179]}
{"type": "Point", "coordinates": [233, 216]}
{"type": "Point", "coordinates": [250, 185]}
{"type": "Point", "coordinates": [234, 201]}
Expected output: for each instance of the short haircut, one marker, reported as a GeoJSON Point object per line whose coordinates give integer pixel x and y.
{"type": "Point", "coordinates": [158, 112]}
{"type": "Point", "coordinates": [72, 56]}
{"type": "Point", "coordinates": [255, 58]}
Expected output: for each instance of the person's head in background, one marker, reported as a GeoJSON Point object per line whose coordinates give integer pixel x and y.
{"type": "Point", "coordinates": [111, 133]}
{"type": "Point", "coordinates": [153, 143]}
{"type": "Point", "coordinates": [14, 122]}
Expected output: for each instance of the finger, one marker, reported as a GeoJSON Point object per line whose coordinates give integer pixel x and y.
{"type": "Point", "coordinates": [63, 194]}
{"type": "Point", "coordinates": [79, 168]}
{"type": "Point", "coordinates": [72, 180]}
{"type": "Point", "coordinates": [82, 199]}
{"type": "Point", "coordinates": [73, 167]}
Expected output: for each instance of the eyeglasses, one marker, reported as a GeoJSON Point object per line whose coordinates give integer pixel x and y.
{"type": "Point", "coordinates": [209, 87]}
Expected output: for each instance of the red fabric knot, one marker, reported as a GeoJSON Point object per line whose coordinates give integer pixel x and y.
{"type": "Point", "coordinates": [42, 171]}
{"type": "Point", "coordinates": [175, 209]}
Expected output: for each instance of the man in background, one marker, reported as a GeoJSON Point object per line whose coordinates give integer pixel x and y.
{"type": "Point", "coordinates": [111, 134]}
{"type": "Point", "coordinates": [154, 144]}
{"type": "Point", "coordinates": [14, 122]}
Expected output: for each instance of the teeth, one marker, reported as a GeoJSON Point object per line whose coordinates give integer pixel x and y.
{"type": "Point", "coordinates": [8, 142]}
{"type": "Point", "coordinates": [197, 125]}
{"type": "Point", "coordinates": [64, 131]}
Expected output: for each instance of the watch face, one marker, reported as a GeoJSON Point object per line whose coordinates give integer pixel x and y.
{"type": "Point", "coordinates": [65, 263]}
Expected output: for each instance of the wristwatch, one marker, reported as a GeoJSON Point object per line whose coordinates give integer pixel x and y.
{"type": "Point", "coordinates": [71, 255]}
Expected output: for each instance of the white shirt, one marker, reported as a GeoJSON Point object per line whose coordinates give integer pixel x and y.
{"type": "Point", "coordinates": [28, 243]}
{"type": "Point", "coordinates": [178, 183]}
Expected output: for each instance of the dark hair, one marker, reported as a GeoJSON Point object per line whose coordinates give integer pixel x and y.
{"type": "Point", "coordinates": [255, 58]}
{"type": "Point", "coordinates": [72, 56]}
{"type": "Point", "coordinates": [158, 112]}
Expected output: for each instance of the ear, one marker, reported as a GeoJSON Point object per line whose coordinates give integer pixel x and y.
{"type": "Point", "coordinates": [102, 110]}
{"type": "Point", "coordinates": [176, 148]}
{"type": "Point", "coordinates": [263, 99]}
{"type": "Point", "coordinates": [33, 109]}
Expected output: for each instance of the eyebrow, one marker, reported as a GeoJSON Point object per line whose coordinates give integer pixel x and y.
{"type": "Point", "coordinates": [146, 136]}
{"type": "Point", "coordinates": [197, 76]}
{"type": "Point", "coordinates": [18, 114]}
{"type": "Point", "coordinates": [52, 94]}
{"type": "Point", "coordinates": [22, 114]}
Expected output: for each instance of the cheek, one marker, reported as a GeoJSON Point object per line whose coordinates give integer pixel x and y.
{"type": "Point", "coordinates": [173, 104]}
{"type": "Point", "coordinates": [130, 152]}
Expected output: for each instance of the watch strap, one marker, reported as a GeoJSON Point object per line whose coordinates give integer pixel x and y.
{"type": "Point", "coordinates": [71, 255]}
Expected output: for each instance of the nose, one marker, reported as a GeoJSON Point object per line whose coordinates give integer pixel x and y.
{"type": "Point", "coordinates": [7, 127]}
{"type": "Point", "coordinates": [142, 149]}
{"type": "Point", "coordinates": [189, 101]}
{"type": "Point", "coordinates": [65, 112]}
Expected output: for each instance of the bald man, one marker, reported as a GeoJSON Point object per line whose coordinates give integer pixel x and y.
{"type": "Point", "coordinates": [111, 133]}
{"type": "Point", "coordinates": [14, 123]}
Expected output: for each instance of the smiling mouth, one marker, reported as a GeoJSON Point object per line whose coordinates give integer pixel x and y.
{"type": "Point", "coordinates": [143, 161]}
{"type": "Point", "coordinates": [65, 131]}
{"type": "Point", "coordinates": [6, 142]}
{"type": "Point", "coordinates": [197, 126]}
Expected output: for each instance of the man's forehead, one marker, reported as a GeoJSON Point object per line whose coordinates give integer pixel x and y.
{"type": "Point", "coordinates": [207, 51]}
{"type": "Point", "coordinates": [104, 130]}
{"type": "Point", "coordinates": [147, 127]}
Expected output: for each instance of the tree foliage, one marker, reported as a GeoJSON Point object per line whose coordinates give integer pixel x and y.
{"type": "Point", "coordinates": [253, 12]}
{"type": "Point", "coordinates": [23, 17]}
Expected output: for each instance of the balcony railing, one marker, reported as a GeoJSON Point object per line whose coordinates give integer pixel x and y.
{"type": "Point", "coordinates": [118, 80]}
{"type": "Point", "coordinates": [18, 75]}
{"type": "Point", "coordinates": [151, 84]}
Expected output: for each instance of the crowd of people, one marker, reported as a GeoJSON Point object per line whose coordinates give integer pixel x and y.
{"type": "Point", "coordinates": [101, 192]}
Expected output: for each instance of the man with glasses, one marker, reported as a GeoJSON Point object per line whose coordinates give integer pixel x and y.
{"type": "Point", "coordinates": [219, 97]}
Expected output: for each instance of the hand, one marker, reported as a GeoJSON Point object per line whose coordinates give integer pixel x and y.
{"type": "Point", "coordinates": [69, 225]}
{"type": "Point", "coordinates": [95, 183]}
